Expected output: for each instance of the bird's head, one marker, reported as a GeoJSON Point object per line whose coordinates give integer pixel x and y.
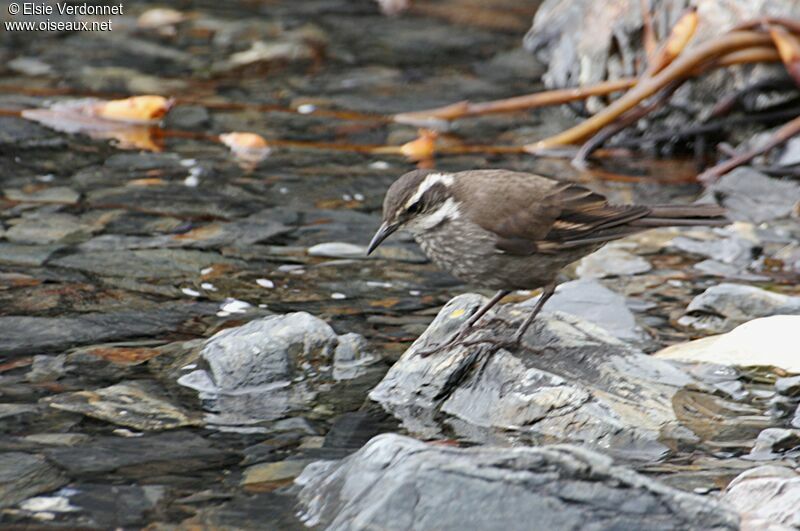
{"type": "Point", "coordinates": [418, 201]}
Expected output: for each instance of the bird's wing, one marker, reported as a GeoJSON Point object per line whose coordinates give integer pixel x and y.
{"type": "Point", "coordinates": [533, 214]}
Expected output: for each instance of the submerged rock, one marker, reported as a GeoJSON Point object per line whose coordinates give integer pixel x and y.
{"type": "Point", "coordinates": [27, 335]}
{"type": "Point", "coordinates": [768, 341]}
{"type": "Point", "coordinates": [134, 404]}
{"type": "Point", "coordinates": [261, 371]}
{"type": "Point", "coordinates": [23, 475]}
{"type": "Point", "coordinates": [572, 381]}
{"type": "Point", "coordinates": [766, 497]}
{"type": "Point", "coordinates": [396, 482]}
{"type": "Point", "coordinates": [721, 308]}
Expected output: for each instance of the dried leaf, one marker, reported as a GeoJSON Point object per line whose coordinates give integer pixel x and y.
{"type": "Point", "coordinates": [422, 148]}
{"type": "Point", "coordinates": [789, 49]}
{"type": "Point", "coordinates": [138, 109]}
{"type": "Point", "coordinates": [249, 148]}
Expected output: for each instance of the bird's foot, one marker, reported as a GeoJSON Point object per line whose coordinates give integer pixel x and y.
{"type": "Point", "coordinates": [452, 341]}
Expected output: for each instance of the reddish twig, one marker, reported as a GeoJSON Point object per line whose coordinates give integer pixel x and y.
{"type": "Point", "coordinates": [789, 130]}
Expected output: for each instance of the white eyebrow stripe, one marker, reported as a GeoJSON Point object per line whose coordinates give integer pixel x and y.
{"type": "Point", "coordinates": [449, 210]}
{"type": "Point", "coordinates": [430, 180]}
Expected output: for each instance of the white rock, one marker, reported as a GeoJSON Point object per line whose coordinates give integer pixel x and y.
{"type": "Point", "coordinates": [769, 341]}
{"type": "Point", "coordinates": [338, 250]}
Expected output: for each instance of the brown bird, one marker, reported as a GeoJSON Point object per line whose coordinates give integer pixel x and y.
{"type": "Point", "coordinates": [509, 230]}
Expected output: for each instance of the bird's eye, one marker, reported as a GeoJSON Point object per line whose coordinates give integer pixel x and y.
{"type": "Point", "coordinates": [415, 208]}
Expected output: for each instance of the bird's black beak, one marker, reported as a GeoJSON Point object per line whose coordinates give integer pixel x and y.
{"type": "Point", "coordinates": [384, 232]}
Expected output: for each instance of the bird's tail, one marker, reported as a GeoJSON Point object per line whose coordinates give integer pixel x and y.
{"type": "Point", "coordinates": [682, 215]}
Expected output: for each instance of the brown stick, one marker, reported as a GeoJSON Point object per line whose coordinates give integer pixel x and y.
{"type": "Point", "coordinates": [791, 25]}
{"type": "Point", "coordinates": [679, 37]}
{"type": "Point", "coordinates": [625, 120]}
{"type": "Point", "coordinates": [528, 101]}
{"type": "Point", "coordinates": [787, 131]}
{"type": "Point", "coordinates": [682, 67]}
{"type": "Point", "coordinates": [648, 32]}
{"type": "Point", "coordinates": [789, 49]}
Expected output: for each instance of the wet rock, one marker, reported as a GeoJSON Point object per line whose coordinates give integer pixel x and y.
{"type": "Point", "coordinates": [766, 497]}
{"type": "Point", "coordinates": [768, 341]}
{"type": "Point", "coordinates": [26, 255]}
{"type": "Point", "coordinates": [789, 386]}
{"type": "Point", "coordinates": [733, 245]}
{"type": "Point", "coordinates": [396, 482]}
{"type": "Point", "coordinates": [55, 194]}
{"type": "Point", "coordinates": [29, 335]}
{"type": "Point", "coordinates": [46, 368]}
{"type": "Point", "coordinates": [353, 430]}
{"type": "Point", "coordinates": [143, 263]}
{"type": "Point", "coordinates": [774, 440]}
{"type": "Point", "coordinates": [749, 195]}
{"type": "Point", "coordinates": [58, 439]}
{"type": "Point", "coordinates": [245, 232]}
{"type": "Point", "coordinates": [280, 471]}
{"type": "Point", "coordinates": [579, 383]}
{"type": "Point", "coordinates": [590, 300]}
{"type": "Point", "coordinates": [226, 202]}
{"type": "Point", "coordinates": [612, 261]}
{"type": "Point", "coordinates": [140, 457]}
{"type": "Point", "coordinates": [190, 117]}
{"type": "Point", "coordinates": [723, 307]}
{"type": "Point", "coordinates": [351, 358]}
{"type": "Point", "coordinates": [261, 371]}
{"type": "Point", "coordinates": [136, 405]}
{"type": "Point", "coordinates": [23, 134]}
{"type": "Point", "coordinates": [248, 512]}
{"type": "Point", "coordinates": [338, 250]}
{"type": "Point", "coordinates": [23, 475]}
{"type": "Point", "coordinates": [48, 228]}
{"type": "Point", "coordinates": [116, 506]}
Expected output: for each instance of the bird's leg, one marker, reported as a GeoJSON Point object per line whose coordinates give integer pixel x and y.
{"type": "Point", "coordinates": [516, 339]}
{"type": "Point", "coordinates": [462, 332]}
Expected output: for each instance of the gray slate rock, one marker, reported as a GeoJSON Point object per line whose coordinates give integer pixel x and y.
{"type": "Point", "coordinates": [590, 300]}
{"type": "Point", "coordinates": [580, 384]}
{"type": "Point", "coordinates": [138, 457]}
{"type": "Point", "coordinates": [21, 334]}
{"type": "Point", "coordinates": [766, 497]}
{"type": "Point", "coordinates": [143, 263]}
{"type": "Point", "coordinates": [23, 475]}
{"type": "Point", "coordinates": [261, 370]}
{"type": "Point", "coordinates": [723, 307]}
{"type": "Point", "coordinates": [399, 483]}
{"type": "Point", "coordinates": [749, 195]}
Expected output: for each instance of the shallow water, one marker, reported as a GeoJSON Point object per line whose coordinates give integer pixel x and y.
{"type": "Point", "coordinates": [121, 261]}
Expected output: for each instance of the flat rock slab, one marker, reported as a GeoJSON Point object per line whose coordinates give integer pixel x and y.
{"type": "Point", "coordinates": [721, 308]}
{"type": "Point", "coordinates": [138, 457]}
{"type": "Point", "coordinates": [399, 483]}
{"type": "Point", "coordinates": [134, 404]}
{"type": "Point", "coordinates": [23, 475]}
{"type": "Point", "coordinates": [143, 263]}
{"type": "Point", "coordinates": [766, 497]}
{"type": "Point", "coordinates": [573, 381]}
{"type": "Point", "coordinates": [36, 335]}
{"type": "Point", "coordinates": [765, 342]}
{"type": "Point", "coordinates": [749, 195]}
